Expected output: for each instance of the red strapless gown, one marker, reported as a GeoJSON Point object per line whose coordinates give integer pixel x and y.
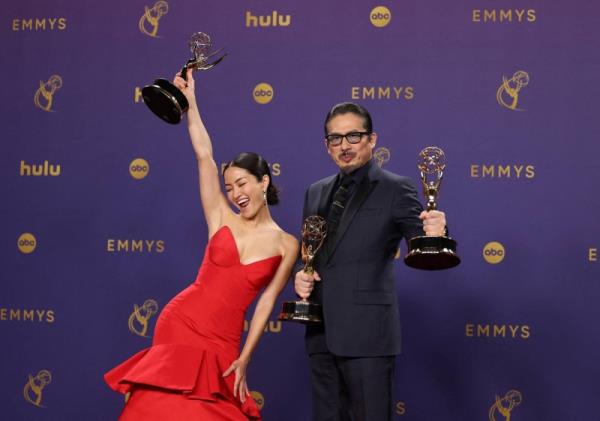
{"type": "Point", "coordinates": [196, 338]}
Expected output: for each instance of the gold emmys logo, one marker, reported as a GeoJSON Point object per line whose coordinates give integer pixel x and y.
{"type": "Point", "coordinates": [149, 21]}
{"type": "Point", "coordinates": [275, 168]}
{"type": "Point", "coordinates": [504, 406]}
{"type": "Point", "coordinates": [38, 24]}
{"type": "Point", "coordinates": [380, 16]}
{"type": "Point", "coordinates": [135, 246]}
{"type": "Point", "coordinates": [44, 96]}
{"type": "Point", "coordinates": [31, 315]}
{"type": "Point", "coordinates": [477, 330]}
{"type": "Point", "coordinates": [272, 326]}
{"type": "Point", "coordinates": [493, 252]}
{"type": "Point", "coordinates": [382, 156]}
{"type": "Point", "coordinates": [139, 168]}
{"type": "Point", "coordinates": [503, 15]}
{"type": "Point", "coordinates": [138, 320]}
{"type": "Point", "coordinates": [503, 171]}
{"type": "Point", "coordinates": [593, 254]}
{"type": "Point", "coordinates": [263, 93]}
{"type": "Point", "coordinates": [32, 392]}
{"type": "Point", "coordinates": [507, 94]}
{"type": "Point", "coordinates": [274, 19]}
{"type": "Point", "coordinates": [258, 398]}
{"type": "Point", "coordinates": [383, 92]}
{"type": "Point", "coordinates": [45, 169]}
{"type": "Point", "coordinates": [26, 243]}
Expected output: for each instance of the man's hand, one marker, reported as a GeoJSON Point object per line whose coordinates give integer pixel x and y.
{"type": "Point", "coordinates": [304, 283]}
{"type": "Point", "coordinates": [434, 223]}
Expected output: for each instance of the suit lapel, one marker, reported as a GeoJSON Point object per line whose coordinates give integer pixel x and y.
{"type": "Point", "coordinates": [362, 192]}
{"type": "Point", "coordinates": [324, 197]}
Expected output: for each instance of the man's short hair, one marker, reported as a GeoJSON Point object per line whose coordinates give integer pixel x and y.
{"type": "Point", "coordinates": [350, 107]}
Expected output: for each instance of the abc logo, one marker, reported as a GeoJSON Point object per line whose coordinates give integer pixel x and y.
{"type": "Point", "coordinates": [258, 398]}
{"type": "Point", "coordinates": [493, 252]}
{"type": "Point", "coordinates": [139, 168]}
{"type": "Point", "coordinates": [26, 243]}
{"type": "Point", "coordinates": [380, 16]}
{"type": "Point", "coordinates": [263, 93]}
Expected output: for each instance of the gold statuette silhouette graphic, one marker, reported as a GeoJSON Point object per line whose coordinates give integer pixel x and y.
{"type": "Point", "coordinates": [139, 318]}
{"type": "Point", "coordinates": [504, 406]}
{"type": "Point", "coordinates": [382, 156]}
{"type": "Point", "coordinates": [32, 392]}
{"type": "Point", "coordinates": [149, 21]}
{"type": "Point", "coordinates": [507, 94]}
{"type": "Point", "coordinates": [44, 95]}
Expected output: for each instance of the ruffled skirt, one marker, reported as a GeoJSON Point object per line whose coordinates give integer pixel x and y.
{"type": "Point", "coordinates": [173, 382]}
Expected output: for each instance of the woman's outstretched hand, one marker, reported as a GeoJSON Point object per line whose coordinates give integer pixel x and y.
{"type": "Point", "coordinates": [188, 87]}
{"type": "Point", "coordinates": [240, 388]}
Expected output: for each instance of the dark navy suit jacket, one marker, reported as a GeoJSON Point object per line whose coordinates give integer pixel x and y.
{"type": "Point", "coordinates": [357, 290]}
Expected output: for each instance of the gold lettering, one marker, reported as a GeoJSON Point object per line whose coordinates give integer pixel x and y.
{"type": "Point", "coordinates": [149, 244]}
{"type": "Point", "coordinates": [488, 170]}
{"type": "Point", "coordinates": [122, 245]}
{"type": "Point", "coordinates": [476, 15]}
{"type": "Point", "coordinates": [505, 15]}
{"type": "Point", "coordinates": [368, 92]}
{"type": "Point", "coordinates": [27, 24]}
{"type": "Point", "coordinates": [50, 316]}
{"type": "Point", "coordinates": [489, 15]}
{"type": "Point", "coordinates": [593, 255]}
{"type": "Point", "coordinates": [475, 171]}
{"type": "Point", "coordinates": [52, 22]}
{"type": "Point", "coordinates": [525, 333]}
{"type": "Point", "coordinates": [15, 314]}
{"type": "Point", "coordinates": [518, 170]}
{"type": "Point", "coordinates": [504, 170]}
{"type": "Point", "coordinates": [500, 331]}
{"type": "Point", "coordinates": [40, 24]}
{"type": "Point", "coordinates": [110, 245]}
{"type": "Point", "coordinates": [355, 92]}
{"type": "Point", "coordinates": [483, 330]}
{"type": "Point", "coordinates": [15, 24]}
{"type": "Point", "coordinates": [40, 314]}
{"type": "Point", "coordinates": [513, 330]}
{"type": "Point", "coordinates": [275, 327]}
{"type": "Point", "coordinates": [62, 23]}
{"type": "Point", "coordinates": [383, 92]}
{"type": "Point", "coordinates": [160, 246]}
{"type": "Point", "coordinates": [520, 14]}
{"type": "Point", "coordinates": [276, 169]}
{"type": "Point", "coordinates": [529, 171]}
{"type": "Point", "coordinates": [531, 15]}
{"type": "Point", "coordinates": [137, 245]}
{"type": "Point", "coordinates": [409, 92]}
{"type": "Point", "coordinates": [400, 408]}
{"type": "Point", "coordinates": [3, 312]}
{"type": "Point", "coordinates": [137, 97]}
{"type": "Point", "coordinates": [28, 315]}
{"type": "Point", "coordinates": [398, 91]}
{"type": "Point", "coordinates": [469, 330]}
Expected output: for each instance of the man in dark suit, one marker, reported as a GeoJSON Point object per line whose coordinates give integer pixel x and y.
{"type": "Point", "coordinates": [368, 212]}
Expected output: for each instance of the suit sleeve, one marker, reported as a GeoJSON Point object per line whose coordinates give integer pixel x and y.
{"type": "Point", "coordinates": [407, 208]}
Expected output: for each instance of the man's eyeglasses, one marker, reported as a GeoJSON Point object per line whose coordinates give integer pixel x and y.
{"type": "Point", "coordinates": [352, 137]}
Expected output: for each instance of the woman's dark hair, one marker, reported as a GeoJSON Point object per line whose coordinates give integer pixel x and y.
{"type": "Point", "coordinates": [350, 107]}
{"type": "Point", "coordinates": [258, 167]}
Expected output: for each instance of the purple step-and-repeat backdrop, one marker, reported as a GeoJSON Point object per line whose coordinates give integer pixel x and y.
{"type": "Point", "coordinates": [102, 225]}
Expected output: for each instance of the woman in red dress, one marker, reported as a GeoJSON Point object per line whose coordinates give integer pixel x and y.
{"type": "Point", "coordinates": [194, 369]}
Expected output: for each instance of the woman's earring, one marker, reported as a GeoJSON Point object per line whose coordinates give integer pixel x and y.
{"type": "Point", "coordinates": [265, 197]}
